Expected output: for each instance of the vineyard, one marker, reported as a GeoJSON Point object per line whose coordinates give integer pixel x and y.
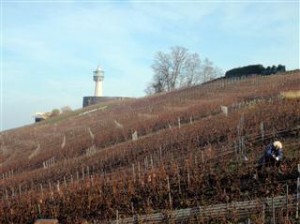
{"type": "Point", "coordinates": [190, 152]}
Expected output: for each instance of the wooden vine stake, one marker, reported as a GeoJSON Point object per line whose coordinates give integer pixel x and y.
{"type": "Point", "coordinates": [179, 185]}
{"type": "Point", "coordinates": [58, 187]}
{"type": "Point", "coordinates": [139, 170]}
{"type": "Point", "coordinates": [273, 211]}
{"type": "Point", "coordinates": [298, 193]}
{"type": "Point", "coordinates": [169, 190]}
{"type": "Point", "coordinates": [117, 217]}
{"type": "Point", "coordinates": [41, 186]}
{"type": "Point", "coordinates": [88, 170]}
{"type": "Point", "coordinates": [287, 202]}
{"type": "Point", "coordinates": [262, 131]}
{"type": "Point", "coordinates": [133, 172]}
{"type": "Point", "coordinates": [82, 173]}
{"type": "Point", "coordinates": [151, 162]}
{"type": "Point", "coordinates": [63, 144]}
{"type": "Point", "coordinates": [263, 213]}
{"type": "Point", "coordinates": [20, 190]}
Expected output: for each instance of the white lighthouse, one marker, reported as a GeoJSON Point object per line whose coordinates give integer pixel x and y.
{"type": "Point", "coordinates": [98, 78]}
{"type": "Point", "coordinates": [98, 96]}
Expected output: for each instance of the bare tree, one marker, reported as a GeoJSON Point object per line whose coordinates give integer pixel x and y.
{"type": "Point", "coordinates": [179, 68]}
{"type": "Point", "coordinates": [168, 67]}
{"type": "Point", "coordinates": [191, 75]}
{"type": "Point", "coordinates": [162, 72]}
{"type": "Point", "coordinates": [179, 55]}
{"type": "Point", "coordinates": [209, 71]}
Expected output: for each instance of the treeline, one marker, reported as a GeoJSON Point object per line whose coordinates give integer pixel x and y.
{"type": "Point", "coordinates": [254, 70]}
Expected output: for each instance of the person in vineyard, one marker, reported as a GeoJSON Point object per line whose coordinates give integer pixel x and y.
{"type": "Point", "coordinates": [273, 155]}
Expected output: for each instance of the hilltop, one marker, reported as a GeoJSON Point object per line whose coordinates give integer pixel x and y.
{"type": "Point", "coordinates": [168, 151]}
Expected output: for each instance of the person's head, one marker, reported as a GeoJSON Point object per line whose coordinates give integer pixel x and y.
{"type": "Point", "coordinates": [277, 145]}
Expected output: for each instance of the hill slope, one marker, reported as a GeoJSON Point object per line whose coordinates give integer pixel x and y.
{"type": "Point", "coordinates": [168, 151]}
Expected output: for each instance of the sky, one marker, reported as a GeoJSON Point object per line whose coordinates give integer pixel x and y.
{"type": "Point", "coordinates": [49, 49]}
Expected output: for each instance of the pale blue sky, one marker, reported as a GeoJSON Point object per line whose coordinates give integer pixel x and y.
{"type": "Point", "coordinates": [49, 49]}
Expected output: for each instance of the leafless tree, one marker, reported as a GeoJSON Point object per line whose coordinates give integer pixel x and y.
{"type": "Point", "coordinates": [179, 68]}
{"type": "Point", "coordinates": [209, 71]}
{"type": "Point", "coordinates": [190, 75]}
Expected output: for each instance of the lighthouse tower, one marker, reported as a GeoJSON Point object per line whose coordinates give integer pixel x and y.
{"type": "Point", "coordinates": [98, 96]}
{"type": "Point", "coordinates": [98, 78]}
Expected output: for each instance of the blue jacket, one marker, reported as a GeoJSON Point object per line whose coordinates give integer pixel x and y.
{"type": "Point", "coordinates": [268, 155]}
{"type": "Point", "coordinates": [271, 150]}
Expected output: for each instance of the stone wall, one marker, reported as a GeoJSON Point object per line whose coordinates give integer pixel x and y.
{"type": "Point", "coordinates": [91, 100]}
